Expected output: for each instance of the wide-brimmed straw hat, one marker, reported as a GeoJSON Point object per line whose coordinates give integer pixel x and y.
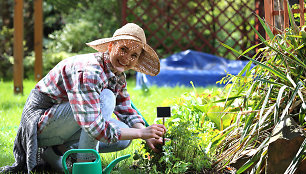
{"type": "Point", "coordinates": [148, 61]}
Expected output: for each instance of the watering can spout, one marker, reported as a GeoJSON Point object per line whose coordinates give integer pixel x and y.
{"type": "Point", "coordinates": [109, 168]}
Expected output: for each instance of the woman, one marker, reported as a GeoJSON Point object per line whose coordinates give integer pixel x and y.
{"type": "Point", "coordinates": [71, 106]}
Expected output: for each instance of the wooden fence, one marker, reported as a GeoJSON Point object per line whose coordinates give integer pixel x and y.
{"type": "Point", "coordinates": [276, 14]}
{"type": "Point", "coordinates": [172, 26]}
{"type": "Point", "coordinates": [177, 25]}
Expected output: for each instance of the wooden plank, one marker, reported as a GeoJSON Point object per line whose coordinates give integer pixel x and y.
{"type": "Point", "coordinates": [18, 46]}
{"type": "Point", "coordinates": [286, 15]}
{"type": "Point", "coordinates": [259, 9]}
{"type": "Point", "coordinates": [276, 12]}
{"type": "Point", "coordinates": [38, 35]}
{"type": "Point", "coordinates": [123, 12]}
{"type": "Point", "coordinates": [268, 14]}
{"type": "Point", "coordinates": [302, 10]}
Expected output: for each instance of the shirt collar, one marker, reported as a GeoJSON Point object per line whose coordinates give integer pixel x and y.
{"type": "Point", "coordinates": [107, 67]}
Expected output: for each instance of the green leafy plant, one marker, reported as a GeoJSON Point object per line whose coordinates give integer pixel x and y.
{"type": "Point", "coordinates": [6, 52]}
{"type": "Point", "coordinates": [72, 37]}
{"type": "Point", "coordinates": [190, 130]}
{"type": "Point", "coordinates": [275, 91]}
{"type": "Point", "coordinates": [50, 59]}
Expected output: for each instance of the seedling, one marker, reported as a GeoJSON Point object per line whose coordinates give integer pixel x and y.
{"type": "Point", "coordinates": [163, 112]}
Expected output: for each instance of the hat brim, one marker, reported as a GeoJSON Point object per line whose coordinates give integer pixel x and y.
{"type": "Point", "coordinates": [148, 62]}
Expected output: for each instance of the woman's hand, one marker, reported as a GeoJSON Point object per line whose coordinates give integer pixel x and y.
{"type": "Point", "coordinates": [155, 144]}
{"type": "Point", "coordinates": [139, 131]}
{"type": "Point", "coordinates": [152, 134]}
{"type": "Point", "coordinates": [155, 131]}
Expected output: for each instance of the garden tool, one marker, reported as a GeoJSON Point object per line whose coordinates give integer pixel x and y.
{"type": "Point", "coordinates": [163, 112]}
{"type": "Point", "coordinates": [94, 167]}
{"type": "Point", "coordinates": [134, 107]}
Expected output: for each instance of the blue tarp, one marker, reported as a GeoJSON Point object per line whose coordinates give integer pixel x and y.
{"type": "Point", "coordinates": [201, 68]}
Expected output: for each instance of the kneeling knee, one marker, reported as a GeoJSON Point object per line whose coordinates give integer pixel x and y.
{"type": "Point", "coordinates": [123, 144]}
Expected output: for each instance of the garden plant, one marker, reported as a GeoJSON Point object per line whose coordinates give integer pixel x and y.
{"type": "Point", "coordinates": [209, 131]}
{"type": "Point", "coordinates": [193, 124]}
{"type": "Point", "coordinates": [274, 90]}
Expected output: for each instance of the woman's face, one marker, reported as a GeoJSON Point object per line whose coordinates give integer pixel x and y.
{"type": "Point", "coordinates": [124, 54]}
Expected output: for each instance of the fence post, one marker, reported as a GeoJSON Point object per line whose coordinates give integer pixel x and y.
{"type": "Point", "coordinates": [18, 46]}
{"type": "Point", "coordinates": [302, 18]}
{"type": "Point", "coordinates": [269, 14]}
{"type": "Point", "coordinates": [38, 34]}
{"type": "Point", "coordinates": [123, 12]}
{"type": "Point", "coordinates": [259, 9]}
{"type": "Point", "coordinates": [286, 14]}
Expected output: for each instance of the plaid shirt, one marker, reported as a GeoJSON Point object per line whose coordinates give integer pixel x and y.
{"type": "Point", "coordinates": [80, 80]}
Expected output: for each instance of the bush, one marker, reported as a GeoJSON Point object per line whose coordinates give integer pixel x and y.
{"type": "Point", "coordinates": [84, 22]}
{"type": "Point", "coordinates": [49, 61]}
{"type": "Point", "coordinates": [190, 131]}
{"type": "Point", "coordinates": [268, 94]}
{"type": "Point", "coordinates": [72, 37]}
{"type": "Point", "coordinates": [6, 52]}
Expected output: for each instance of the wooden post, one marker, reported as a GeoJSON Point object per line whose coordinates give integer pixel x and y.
{"type": "Point", "coordinates": [269, 14]}
{"type": "Point", "coordinates": [259, 9]}
{"type": "Point", "coordinates": [123, 12]}
{"type": "Point", "coordinates": [286, 15]}
{"type": "Point", "coordinates": [302, 18]}
{"type": "Point", "coordinates": [18, 46]}
{"type": "Point", "coordinates": [38, 34]}
{"type": "Point", "coordinates": [163, 112]}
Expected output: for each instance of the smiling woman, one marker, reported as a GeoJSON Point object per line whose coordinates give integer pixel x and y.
{"type": "Point", "coordinates": [71, 106]}
{"type": "Point", "coordinates": [148, 62]}
{"type": "Point", "coordinates": [124, 54]}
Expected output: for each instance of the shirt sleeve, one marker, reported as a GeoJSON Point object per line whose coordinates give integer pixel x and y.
{"type": "Point", "coordinates": [84, 98]}
{"type": "Point", "coordinates": [124, 110]}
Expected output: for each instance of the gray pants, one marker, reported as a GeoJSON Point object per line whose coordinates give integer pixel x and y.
{"type": "Point", "coordinates": [63, 129]}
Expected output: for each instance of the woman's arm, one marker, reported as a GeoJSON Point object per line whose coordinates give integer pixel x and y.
{"type": "Point", "coordinates": [139, 131]}
{"type": "Point", "coordinates": [152, 134]}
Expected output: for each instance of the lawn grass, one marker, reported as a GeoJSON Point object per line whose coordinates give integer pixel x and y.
{"type": "Point", "coordinates": [11, 108]}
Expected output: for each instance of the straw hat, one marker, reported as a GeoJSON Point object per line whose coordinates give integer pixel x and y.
{"type": "Point", "coordinates": [148, 62]}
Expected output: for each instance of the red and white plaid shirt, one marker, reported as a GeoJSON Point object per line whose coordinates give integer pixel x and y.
{"type": "Point", "coordinates": [80, 80]}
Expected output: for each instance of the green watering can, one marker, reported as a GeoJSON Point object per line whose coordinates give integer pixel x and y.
{"type": "Point", "coordinates": [90, 167]}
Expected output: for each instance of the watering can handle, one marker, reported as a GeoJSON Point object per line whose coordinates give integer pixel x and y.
{"type": "Point", "coordinates": [108, 169]}
{"type": "Point", "coordinates": [78, 151]}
